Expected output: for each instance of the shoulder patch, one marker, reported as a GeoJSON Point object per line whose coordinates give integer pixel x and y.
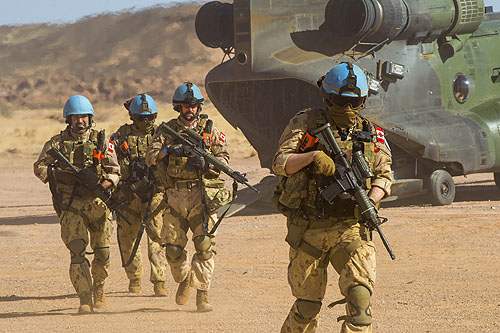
{"type": "Point", "coordinates": [222, 137]}
{"type": "Point", "coordinates": [381, 137]}
{"type": "Point", "coordinates": [111, 146]}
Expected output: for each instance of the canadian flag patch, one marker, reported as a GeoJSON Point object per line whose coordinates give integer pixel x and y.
{"type": "Point", "coordinates": [381, 138]}
{"type": "Point", "coordinates": [111, 146]}
{"type": "Point", "coordinates": [380, 135]}
{"type": "Point", "coordinates": [222, 137]}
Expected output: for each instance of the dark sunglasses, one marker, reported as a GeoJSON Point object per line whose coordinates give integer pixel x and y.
{"type": "Point", "coordinates": [191, 104]}
{"type": "Point", "coordinates": [343, 101]}
{"type": "Point", "coordinates": [148, 117]}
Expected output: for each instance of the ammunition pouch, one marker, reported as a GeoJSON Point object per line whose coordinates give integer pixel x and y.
{"type": "Point", "coordinates": [297, 227]}
{"type": "Point", "coordinates": [294, 189]}
{"type": "Point", "coordinates": [176, 168]}
{"type": "Point", "coordinates": [290, 193]}
{"type": "Point", "coordinates": [341, 208]}
{"type": "Point", "coordinates": [215, 194]}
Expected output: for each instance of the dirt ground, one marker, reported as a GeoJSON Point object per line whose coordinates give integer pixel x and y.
{"type": "Point", "coordinates": [446, 277]}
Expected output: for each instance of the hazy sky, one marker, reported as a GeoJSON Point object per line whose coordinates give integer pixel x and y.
{"type": "Point", "coordinates": [62, 11]}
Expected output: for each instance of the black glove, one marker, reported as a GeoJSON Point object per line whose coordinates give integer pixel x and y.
{"type": "Point", "coordinates": [195, 162]}
{"type": "Point", "coordinates": [178, 150]}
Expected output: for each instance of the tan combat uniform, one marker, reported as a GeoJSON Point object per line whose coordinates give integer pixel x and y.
{"type": "Point", "coordinates": [131, 147]}
{"type": "Point", "coordinates": [185, 212]}
{"type": "Point", "coordinates": [81, 212]}
{"type": "Point", "coordinates": [334, 236]}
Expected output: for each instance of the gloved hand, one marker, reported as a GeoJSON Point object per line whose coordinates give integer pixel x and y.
{"type": "Point", "coordinates": [324, 164]}
{"type": "Point", "coordinates": [195, 162]}
{"type": "Point", "coordinates": [64, 176]}
{"type": "Point", "coordinates": [178, 150]}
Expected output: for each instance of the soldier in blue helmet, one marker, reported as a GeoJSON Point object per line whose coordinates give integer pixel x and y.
{"type": "Point", "coordinates": [139, 185]}
{"type": "Point", "coordinates": [80, 212]}
{"type": "Point", "coordinates": [185, 178]}
{"type": "Point", "coordinates": [320, 232]}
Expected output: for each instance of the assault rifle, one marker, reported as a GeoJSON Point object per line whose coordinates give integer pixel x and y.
{"type": "Point", "coordinates": [193, 141]}
{"type": "Point", "coordinates": [351, 178]}
{"type": "Point", "coordinates": [90, 181]}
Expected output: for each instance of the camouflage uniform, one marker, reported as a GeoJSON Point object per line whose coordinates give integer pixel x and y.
{"type": "Point", "coordinates": [81, 212]}
{"type": "Point", "coordinates": [335, 236]}
{"type": "Point", "coordinates": [132, 147]}
{"type": "Point", "coordinates": [185, 210]}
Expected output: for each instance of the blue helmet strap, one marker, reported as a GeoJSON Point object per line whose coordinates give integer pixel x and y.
{"type": "Point", "coordinates": [351, 81]}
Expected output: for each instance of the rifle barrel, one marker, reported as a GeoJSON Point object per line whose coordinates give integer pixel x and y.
{"type": "Point", "coordinates": [166, 130]}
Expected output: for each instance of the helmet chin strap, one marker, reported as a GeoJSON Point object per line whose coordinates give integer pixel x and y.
{"type": "Point", "coordinates": [91, 123]}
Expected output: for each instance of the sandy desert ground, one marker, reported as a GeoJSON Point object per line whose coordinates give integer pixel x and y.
{"type": "Point", "coordinates": [446, 277]}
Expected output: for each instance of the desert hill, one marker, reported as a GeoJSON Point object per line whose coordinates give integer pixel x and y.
{"type": "Point", "coordinates": [107, 58]}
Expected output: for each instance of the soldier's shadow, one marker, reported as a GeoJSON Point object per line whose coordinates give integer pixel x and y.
{"type": "Point", "coordinates": [14, 298]}
{"type": "Point", "coordinates": [62, 312]}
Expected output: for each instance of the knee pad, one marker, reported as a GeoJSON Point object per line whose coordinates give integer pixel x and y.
{"type": "Point", "coordinates": [101, 255]}
{"type": "Point", "coordinates": [203, 246]}
{"type": "Point", "coordinates": [77, 248]}
{"type": "Point", "coordinates": [358, 306]}
{"type": "Point", "coordinates": [174, 252]}
{"type": "Point", "coordinates": [306, 311]}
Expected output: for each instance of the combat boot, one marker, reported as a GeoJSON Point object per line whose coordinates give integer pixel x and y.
{"type": "Point", "coordinates": [99, 298]}
{"type": "Point", "coordinates": [134, 286]}
{"type": "Point", "coordinates": [182, 295]}
{"type": "Point", "coordinates": [202, 303]}
{"type": "Point", "coordinates": [85, 303]}
{"type": "Point", "coordinates": [160, 290]}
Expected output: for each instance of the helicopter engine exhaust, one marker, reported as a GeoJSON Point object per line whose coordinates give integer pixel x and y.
{"type": "Point", "coordinates": [214, 25]}
{"type": "Point", "coordinates": [425, 21]}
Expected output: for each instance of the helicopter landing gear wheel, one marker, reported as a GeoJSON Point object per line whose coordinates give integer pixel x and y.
{"type": "Point", "coordinates": [442, 188]}
{"type": "Point", "coordinates": [496, 176]}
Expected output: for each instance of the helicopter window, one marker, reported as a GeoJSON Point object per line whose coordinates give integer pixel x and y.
{"type": "Point", "coordinates": [462, 87]}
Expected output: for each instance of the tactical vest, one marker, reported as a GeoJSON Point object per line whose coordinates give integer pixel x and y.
{"type": "Point", "coordinates": [80, 154]}
{"type": "Point", "coordinates": [174, 169]}
{"type": "Point", "coordinates": [300, 190]}
{"type": "Point", "coordinates": [132, 152]}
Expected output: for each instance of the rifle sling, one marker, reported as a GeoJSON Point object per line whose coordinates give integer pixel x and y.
{"type": "Point", "coordinates": [56, 200]}
{"type": "Point", "coordinates": [137, 239]}
{"type": "Point", "coordinates": [144, 224]}
{"type": "Point", "coordinates": [216, 225]}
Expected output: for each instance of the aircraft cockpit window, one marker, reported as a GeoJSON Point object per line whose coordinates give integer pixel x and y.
{"type": "Point", "coordinates": [462, 87]}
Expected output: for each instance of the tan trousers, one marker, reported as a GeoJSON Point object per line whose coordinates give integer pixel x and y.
{"type": "Point", "coordinates": [128, 234]}
{"type": "Point", "coordinates": [307, 276]}
{"type": "Point", "coordinates": [86, 217]}
{"type": "Point", "coordinates": [186, 204]}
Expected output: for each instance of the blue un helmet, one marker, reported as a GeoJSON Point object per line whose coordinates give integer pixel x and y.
{"type": "Point", "coordinates": [345, 83]}
{"type": "Point", "coordinates": [77, 104]}
{"type": "Point", "coordinates": [141, 104]}
{"type": "Point", "coordinates": [187, 93]}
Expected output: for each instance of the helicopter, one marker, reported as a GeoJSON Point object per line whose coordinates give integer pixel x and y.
{"type": "Point", "coordinates": [433, 69]}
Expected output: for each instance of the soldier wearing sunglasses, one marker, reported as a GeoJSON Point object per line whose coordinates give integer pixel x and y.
{"type": "Point", "coordinates": [194, 191]}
